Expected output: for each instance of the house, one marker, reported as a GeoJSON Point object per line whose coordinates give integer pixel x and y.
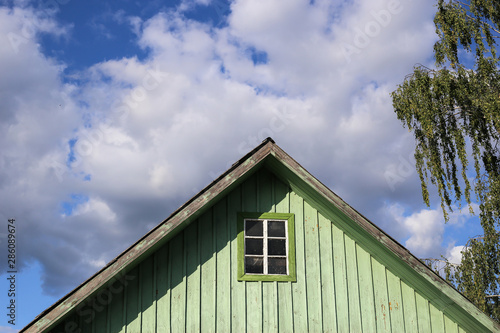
{"type": "Point", "coordinates": [265, 247]}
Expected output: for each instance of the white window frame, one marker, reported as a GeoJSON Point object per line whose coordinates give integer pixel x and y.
{"type": "Point", "coordinates": [265, 238]}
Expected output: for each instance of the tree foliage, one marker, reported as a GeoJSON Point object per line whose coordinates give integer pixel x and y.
{"type": "Point", "coordinates": [453, 111]}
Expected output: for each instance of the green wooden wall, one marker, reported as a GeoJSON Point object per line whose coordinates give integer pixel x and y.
{"type": "Point", "coordinates": [190, 284]}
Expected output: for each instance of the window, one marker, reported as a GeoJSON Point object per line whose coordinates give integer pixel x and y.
{"type": "Point", "coordinates": [266, 247]}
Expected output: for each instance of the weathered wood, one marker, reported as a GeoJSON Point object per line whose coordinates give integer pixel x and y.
{"type": "Point", "coordinates": [329, 313]}
{"type": "Point", "coordinates": [450, 326]}
{"type": "Point", "coordinates": [395, 302]}
{"type": "Point", "coordinates": [409, 308]}
{"type": "Point", "coordinates": [270, 297]}
{"type": "Point", "coordinates": [238, 292]}
{"type": "Point", "coordinates": [177, 285]}
{"type": "Point", "coordinates": [284, 292]}
{"type": "Point", "coordinates": [312, 269]}
{"type": "Point", "coordinates": [299, 292]}
{"type": "Point", "coordinates": [423, 313]}
{"type": "Point", "coordinates": [223, 263]}
{"type": "Point", "coordinates": [208, 273]}
{"type": "Point", "coordinates": [148, 308]}
{"type": "Point", "coordinates": [340, 270]}
{"type": "Point", "coordinates": [437, 319]}
{"type": "Point", "coordinates": [163, 270]}
{"type": "Point", "coordinates": [133, 315]}
{"type": "Point", "coordinates": [382, 312]}
{"type": "Point", "coordinates": [254, 289]}
{"type": "Point", "coordinates": [191, 242]}
{"type": "Point", "coordinates": [352, 285]}
{"type": "Point", "coordinates": [115, 312]}
{"type": "Point", "coordinates": [366, 294]}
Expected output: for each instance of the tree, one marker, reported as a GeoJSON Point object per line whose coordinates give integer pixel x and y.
{"type": "Point", "coordinates": [453, 111]}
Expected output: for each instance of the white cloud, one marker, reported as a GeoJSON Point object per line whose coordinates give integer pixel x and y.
{"type": "Point", "coordinates": [6, 329]}
{"type": "Point", "coordinates": [425, 229]}
{"type": "Point", "coordinates": [454, 254]}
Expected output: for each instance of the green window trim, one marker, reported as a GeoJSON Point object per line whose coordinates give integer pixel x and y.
{"type": "Point", "coordinates": [289, 218]}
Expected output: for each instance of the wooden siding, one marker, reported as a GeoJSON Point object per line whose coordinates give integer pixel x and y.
{"type": "Point", "coordinates": [190, 283]}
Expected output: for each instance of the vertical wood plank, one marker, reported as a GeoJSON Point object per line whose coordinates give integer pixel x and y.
{"type": "Point", "coordinates": [163, 289]}
{"type": "Point", "coordinates": [410, 308]}
{"type": "Point", "coordinates": [269, 295]}
{"type": "Point", "coordinates": [437, 320]}
{"type": "Point", "coordinates": [223, 273]}
{"type": "Point", "coordinates": [450, 325]}
{"type": "Point", "coordinates": [327, 275]}
{"type": "Point", "coordinates": [100, 320]}
{"type": "Point", "coordinates": [70, 324]}
{"type": "Point", "coordinates": [125, 298]}
{"type": "Point", "coordinates": [299, 292]}
{"type": "Point", "coordinates": [116, 307]}
{"type": "Point", "coordinates": [147, 295]}
{"type": "Point", "coordinates": [86, 321]}
{"type": "Point", "coordinates": [191, 243]}
{"type": "Point", "coordinates": [366, 295]}
{"type": "Point", "coordinates": [238, 304]}
{"type": "Point", "coordinates": [94, 322]}
{"type": "Point", "coordinates": [285, 308]}
{"type": "Point", "coordinates": [395, 302]}
{"type": "Point", "coordinates": [313, 270]}
{"type": "Point", "coordinates": [254, 289]}
{"type": "Point", "coordinates": [281, 196]}
{"type": "Point", "coordinates": [269, 303]}
{"type": "Point", "coordinates": [352, 285]}
{"type": "Point", "coordinates": [133, 310]}
{"type": "Point", "coordinates": [339, 267]}
{"type": "Point", "coordinates": [381, 297]}
{"type": "Point", "coordinates": [74, 324]}
{"type": "Point", "coordinates": [423, 313]}
{"type": "Point", "coordinates": [177, 284]}
{"type": "Point", "coordinates": [208, 273]}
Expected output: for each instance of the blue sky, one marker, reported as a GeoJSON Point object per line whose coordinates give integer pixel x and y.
{"type": "Point", "coordinates": [114, 113]}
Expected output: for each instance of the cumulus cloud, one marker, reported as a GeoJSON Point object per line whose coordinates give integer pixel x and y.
{"type": "Point", "coordinates": [89, 166]}
{"type": "Point", "coordinates": [425, 229]}
{"type": "Point", "coordinates": [454, 254]}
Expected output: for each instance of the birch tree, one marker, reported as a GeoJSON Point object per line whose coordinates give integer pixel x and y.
{"type": "Point", "coordinates": [453, 110]}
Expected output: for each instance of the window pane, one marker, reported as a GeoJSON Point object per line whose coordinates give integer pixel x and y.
{"type": "Point", "coordinates": [254, 228]}
{"type": "Point", "coordinates": [276, 247]}
{"type": "Point", "coordinates": [254, 265]}
{"type": "Point", "coordinates": [276, 228]}
{"type": "Point", "coordinates": [276, 266]}
{"type": "Point", "coordinates": [254, 246]}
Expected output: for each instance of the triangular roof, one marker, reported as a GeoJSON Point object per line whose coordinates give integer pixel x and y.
{"type": "Point", "coordinates": [382, 246]}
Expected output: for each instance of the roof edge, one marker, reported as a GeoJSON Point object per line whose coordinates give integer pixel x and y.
{"type": "Point", "coordinates": [113, 271]}
{"type": "Point", "coordinates": [392, 245]}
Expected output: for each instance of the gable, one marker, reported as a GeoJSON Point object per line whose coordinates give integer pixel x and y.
{"type": "Point", "coordinates": [347, 278]}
